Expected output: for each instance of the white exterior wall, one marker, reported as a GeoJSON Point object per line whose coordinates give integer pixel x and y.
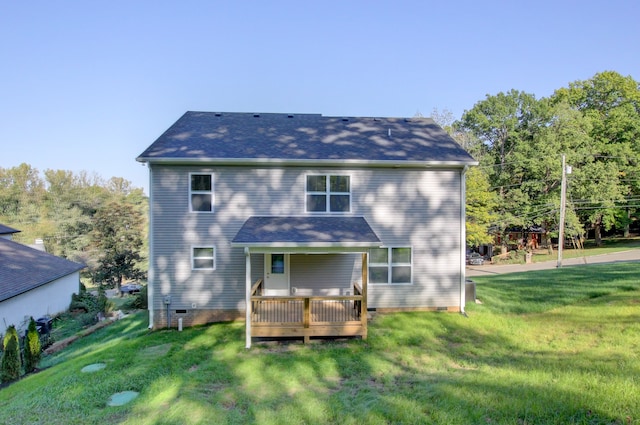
{"type": "Point", "coordinates": [419, 208]}
{"type": "Point", "coordinates": [51, 299]}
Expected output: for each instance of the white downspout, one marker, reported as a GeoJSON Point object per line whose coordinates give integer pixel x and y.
{"type": "Point", "coordinates": [247, 307]}
{"type": "Point", "coordinates": [150, 274]}
{"type": "Point", "coordinates": [463, 237]}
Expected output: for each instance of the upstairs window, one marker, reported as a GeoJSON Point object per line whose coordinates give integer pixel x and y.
{"type": "Point", "coordinates": [328, 194]}
{"type": "Point", "coordinates": [391, 266]}
{"type": "Point", "coordinates": [201, 192]}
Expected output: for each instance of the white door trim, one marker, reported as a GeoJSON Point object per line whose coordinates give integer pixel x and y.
{"type": "Point", "coordinates": [272, 286]}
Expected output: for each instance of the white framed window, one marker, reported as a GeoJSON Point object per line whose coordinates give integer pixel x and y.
{"type": "Point", "coordinates": [326, 193]}
{"type": "Point", "coordinates": [391, 266]}
{"type": "Point", "coordinates": [201, 195]}
{"type": "Point", "coordinates": [203, 258]}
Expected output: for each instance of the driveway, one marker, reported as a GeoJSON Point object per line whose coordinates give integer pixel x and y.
{"type": "Point", "coordinates": [489, 269]}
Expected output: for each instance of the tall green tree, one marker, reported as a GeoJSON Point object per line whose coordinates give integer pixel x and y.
{"type": "Point", "coordinates": [607, 185]}
{"type": "Point", "coordinates": [21, 194]}
{"type": "Point", "coordinates": [537, 166]}
{"type": "Point", "coordinates": [480, 206]}
{"type": "Point", "coordinates": [503, 124]}
{"type": "Point", "coordinates": [117, 234]}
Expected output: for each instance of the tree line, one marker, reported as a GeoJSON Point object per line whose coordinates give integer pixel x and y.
{"type": "Point", "coordinates": [517, 138]}
{"type": "Point", "coordinates": [79, 216]}
{"type": "Point", "coordinates": [519, 141]}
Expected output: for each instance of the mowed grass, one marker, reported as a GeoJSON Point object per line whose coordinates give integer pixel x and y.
{"type": "Point", "coordinates": [550, 347]}
{"type": "Point", "coordinates": [609, 246]}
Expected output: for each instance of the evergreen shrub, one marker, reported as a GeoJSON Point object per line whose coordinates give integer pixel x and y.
{"type": "Point", "coordinates": [11, 364]}
{"type": "Point", "coordinates": [32, 348]}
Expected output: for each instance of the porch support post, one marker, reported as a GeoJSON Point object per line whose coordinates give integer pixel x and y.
{"type": "Point", "coordinates": [365, 279]}
{"type": "Point", "coordinates": [247, 255]}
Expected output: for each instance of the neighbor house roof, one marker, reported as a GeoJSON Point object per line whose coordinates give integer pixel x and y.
{"type": "Point", "coordinates": [23, 268]}
{"type": "Point", "coordinates": [306, 232]}
{"type": "Point", "coordinates": [6, 230]}
{"type": "Point", "coordinates": [305, 138]}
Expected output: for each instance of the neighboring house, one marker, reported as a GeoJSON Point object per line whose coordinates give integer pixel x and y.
{"type": "Point", "coordinates": [305, 211]}
{"type": "Point", "coordinates": [32, 282]}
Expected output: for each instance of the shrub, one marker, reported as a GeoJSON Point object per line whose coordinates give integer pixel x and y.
{"type": "Point", "coordinates": [11, 363]}
{"type": "Point", "coordinates": [78, 306]}
{"type": "Point", "coordinates": [32, 348]}
{"type": "Point", "coordinates": [103, 304]}
{"type": "Point", "coordinates": [511, 257]}
{"type": "Point", "coordinates": [141, 300]}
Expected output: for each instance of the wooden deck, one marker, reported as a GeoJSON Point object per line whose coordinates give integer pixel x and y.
{"type": "Point", "coordinates": [307, 316]}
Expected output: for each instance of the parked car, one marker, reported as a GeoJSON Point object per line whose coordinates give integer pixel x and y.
{"type": "Point", "coordinates": [130, 288]}
{"type": "Point", "coordinates": [475, 259]}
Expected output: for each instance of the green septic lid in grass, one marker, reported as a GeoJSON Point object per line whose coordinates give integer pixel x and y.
{"type": "Point", "coordinates": [94, 367]}
{"type": "Point", "coordinates": [119, 399]}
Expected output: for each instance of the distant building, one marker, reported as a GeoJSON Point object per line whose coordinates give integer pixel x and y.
{"type": "Point", "coordinates": [32, 282]}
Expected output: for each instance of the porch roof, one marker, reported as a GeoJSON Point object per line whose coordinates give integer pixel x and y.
{"type": "Point", "coordinates": [306, 234]}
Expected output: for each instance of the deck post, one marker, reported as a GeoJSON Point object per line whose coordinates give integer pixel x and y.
{"type": "Point", "coordinates": [247, 255]}
{"type": "Point", "coordinates": [306, 319]}
{"type": "Point", "coordinates": [363, 308]}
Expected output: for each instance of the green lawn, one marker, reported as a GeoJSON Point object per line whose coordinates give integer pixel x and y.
{"type": "Point", "coordinates": [609, 246]}
{"type": "Point", "coordinates": [552, 347]}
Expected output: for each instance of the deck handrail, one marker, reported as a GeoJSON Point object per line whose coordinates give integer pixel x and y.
{"type": "Point", "coordinates": [309, 297]}
{"type": "Point", "coordinates": [308, 316]}
{"type": "Point", "coordinates": [255, 286]}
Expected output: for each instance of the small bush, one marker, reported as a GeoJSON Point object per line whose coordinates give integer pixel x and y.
{"type": "Point", "coordinates": [11, 364]}
{"type": "Point", "coordinates": [141, 300]}
{"type": "Point", "coordinates": [85, 306]}
{"type": "Point", "coordinates": [511, 257]}
{"type": "Point", "coordinates": [138, 301]}
{"type": "Point", "coordinates": [32, 348]}
{"type": "Point", "coordinates": [103, 304]}
{"type": "Point", "coordinates": [78, 306]}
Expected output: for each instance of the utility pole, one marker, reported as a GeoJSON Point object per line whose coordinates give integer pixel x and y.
{"type": "Point", "coordinates": [563, 206]}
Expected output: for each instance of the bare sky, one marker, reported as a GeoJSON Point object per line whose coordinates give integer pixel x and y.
{"type": "Point", "coordinates": [88, 85]}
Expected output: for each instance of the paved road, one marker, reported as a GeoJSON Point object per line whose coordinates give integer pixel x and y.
{"type": "Point", "coordinates": [488, 269]}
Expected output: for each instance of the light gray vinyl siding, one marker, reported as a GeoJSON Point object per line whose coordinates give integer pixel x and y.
{"type": "Point", "coordinates": [322, 274]}
{"type": "Point", "coordinates": [419, 209]}
{"type": "Point", "coordinates": [416, 208]}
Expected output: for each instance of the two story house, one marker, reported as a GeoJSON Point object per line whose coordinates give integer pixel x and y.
{"type": "Point", "coordinates": [300, 223]}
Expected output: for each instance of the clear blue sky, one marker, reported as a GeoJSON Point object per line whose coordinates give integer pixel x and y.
{"type": "Point", "coordinates": [88, 85]}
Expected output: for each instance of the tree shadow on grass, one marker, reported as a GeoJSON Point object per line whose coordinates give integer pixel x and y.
{"type": "Point", "coordinates": [414, 368]}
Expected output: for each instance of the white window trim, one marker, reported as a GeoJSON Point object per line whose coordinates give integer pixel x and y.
{"type": "Point", "coordinates": [193, 257]}
{"type": "Point", "coordinates": [203, 192]}
{"type": "Point", "coordinates": [389, 265]}
{"type": "Point", "coordinates": [328, 193]}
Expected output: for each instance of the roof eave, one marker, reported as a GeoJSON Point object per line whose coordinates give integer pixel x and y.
{"type": "Point", "coordinates": [306, 162]}
{"type": "Point", "coordinates": [300, 248]}
{"type": "Point", "coordinates": [51, 279]}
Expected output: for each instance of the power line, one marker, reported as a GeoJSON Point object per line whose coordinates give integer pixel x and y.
{"type": "Point", "coordinates": [530, 160]}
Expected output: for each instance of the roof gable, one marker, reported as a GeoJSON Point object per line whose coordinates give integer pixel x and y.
{"type": "Point", "coordinates": [299, 138]}
{"type": "Point", "coordinates": [23, 268]}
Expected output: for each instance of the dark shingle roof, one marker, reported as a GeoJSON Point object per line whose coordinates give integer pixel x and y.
{"type": "Point", "coordinates": [6, 230]}
{"type": "Point", "coordinates": [23, 269]}
{"type": "Point", "coordinates": [229, 137]}
{"type": "Point", "coordinates": [325, 231]}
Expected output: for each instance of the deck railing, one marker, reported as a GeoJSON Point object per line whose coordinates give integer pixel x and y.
{"type": "Point", "coordinates": [306, 316]}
